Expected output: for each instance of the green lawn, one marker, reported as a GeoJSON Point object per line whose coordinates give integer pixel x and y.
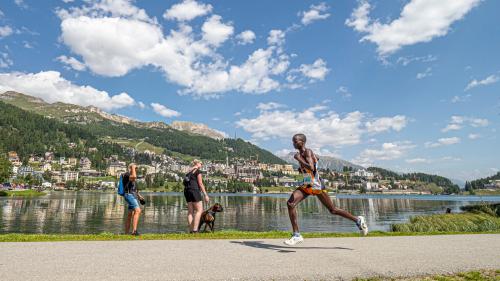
{"type": "Point", "coordinates": [225, 234]}
{"type": "Point", "coordinates": [24, 193]}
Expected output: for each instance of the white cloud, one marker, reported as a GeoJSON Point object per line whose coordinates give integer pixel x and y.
{"type": "Point", "coordinates": [5, 60]}
{"type": "Point", "coordinates": [141, 105]}
{"type": "Point", "coordinates": [442, 142]}
{"type": "Point", "coordinates": [5, 31]}
{"type": "Point", "coordinates": [486, 81]}
{"type": "Point", "coordinates": [396, 123]}
{"type": "Point", "coordinates": [457, 99]}
{"type": "Point", "coordinates": [113, 37]}
{"type": "Point", "coordinates": [276, 37]}
{"type": "Point", "coordinates": [68, 1]}
{"type": "Point", "coordinates": [315, 71]}
{"type": "Point", "coordinates": [407, 60]}
{"type": "Point", "coordinates": [187, 10]}
{"type": "Point", "coordinates": [164, 111]}
{"type": "Point", "coordinates": [283, 152]}
{"type": "Point", "coordinates": [21, 4]}
{"type": "Point", "coordinates": [246, 37]}
{"type": "Point", "coordinates": [215, 32]}
{"type": "Point", "coordinates": [72, 63]}
{"type": "Point", "coordinates": [417, 161]}
{"type": "Point", "coordinates": [52, 87]}
{"type": "Point", "coordinates": [419, 21]}
{"type": "Point", "coordinates": [426, 73]}
{"type": "Point", "coordinates": [324, 129]}
{"type": "Point", "coordinates": [474, 136]}
{"type": "Point", "coordinates": [344, 92]}
{"type": "Point", "coordinates": [315, 12]}
{"type": "Point", "coordinates": [388, 151]}
{"type": "Point", "coordinates": [458, 122]}
{"type": "Point", "coordinates": [269, 106]}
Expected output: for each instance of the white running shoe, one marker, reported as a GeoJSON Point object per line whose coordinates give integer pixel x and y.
{"type": "Point", "coordinates": [294, 240]}
{"type": "Point", "coordinates": [361, 223]}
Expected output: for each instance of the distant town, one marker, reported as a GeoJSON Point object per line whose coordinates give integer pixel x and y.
{"type": "Point", "coordinates": [164, 173]}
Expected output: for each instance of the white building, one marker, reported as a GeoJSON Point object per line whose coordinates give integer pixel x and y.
{"type": "Point", "coordinates": [363, 173]}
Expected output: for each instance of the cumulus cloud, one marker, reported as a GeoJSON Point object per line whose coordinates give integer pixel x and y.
{"type": "Point", "coordinates": [114, 37]}
{"type": "Point", "coordinates": [215, 32]}
{"type": "Point", "coordinates": [276, 37]}
{"type": "Point", "coordinates": [71, 62]}
{"type": "Point", "coordinates": [5, 31]}
{"type": "Point", "coordinates": [396, 123]}
{"type": "Point", "coordinates": [486, 81]}
{"type": "Point", "coordinates": [52, 87]}
{"type": "Point", "coordinates": [315, 13]}
{"type": "Point", "coordinates": [388, 151]}
{"type": "Point", "coordinates": [458, 122]}
{"type": "Point", "coordinates": [419, 21]}
{"type": "Point", "coordinates": [164, 111]}
{"type": "Point", "coordinates": [246, 37]}
{"type": "Point", "coordinates": [187, 10]}
{"type": "Point", "coordinates": [443, 142]}
{"type": "Point", "coordinates": [315, 71]}
{"type": "Point", "coordinates": [324, 129]}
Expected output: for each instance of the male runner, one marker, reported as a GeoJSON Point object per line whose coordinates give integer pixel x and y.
{"type": "Point", "coordinates": [313, 185]}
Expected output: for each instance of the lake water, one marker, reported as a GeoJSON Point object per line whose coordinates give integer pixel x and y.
{"type": "Point", "coordinates": [96, 212]}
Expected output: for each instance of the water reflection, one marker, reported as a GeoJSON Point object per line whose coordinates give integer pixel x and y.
{"type": "Point", "coordinates": [92, 212]}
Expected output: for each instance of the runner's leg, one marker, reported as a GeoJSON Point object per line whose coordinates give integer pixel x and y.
{"type": "Point", "coordinates": [328, 203]}
{"type": "Point", "coordinates": [296, 197]}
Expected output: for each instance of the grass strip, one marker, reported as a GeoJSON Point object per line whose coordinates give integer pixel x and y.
{"type": "Point", "coordinates": [476, 275]}
{"type": "Point", "coordinates": [24, 193]}
{"type": "Point", "coordinates": [226, 234]}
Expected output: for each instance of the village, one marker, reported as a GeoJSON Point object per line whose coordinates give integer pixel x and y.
{"type": "Point", "coordinates": [164, 173]}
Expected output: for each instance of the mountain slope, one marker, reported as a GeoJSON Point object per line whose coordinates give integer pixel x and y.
{"type": "Point", "coordinates": [29, 133]}
{"type": "Point", "coordinates": [102, 124]}
{"type": "Point", "coordinates": [325, 162]}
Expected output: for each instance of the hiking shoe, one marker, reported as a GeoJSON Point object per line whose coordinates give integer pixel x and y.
{"type": "Point", "coordinates": [361, 223]}
{"type": "Point", "coordinates": [294, 240]}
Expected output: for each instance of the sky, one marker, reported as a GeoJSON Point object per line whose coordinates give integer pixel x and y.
{"type": "Point", "coordinates": [409, 85]}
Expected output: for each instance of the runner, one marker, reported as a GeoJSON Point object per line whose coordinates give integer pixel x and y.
{"type": "Point", "coordinates": [313, 185]}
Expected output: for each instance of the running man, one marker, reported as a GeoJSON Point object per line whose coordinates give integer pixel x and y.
{"type": "Point", "coordinates": [313, 185]}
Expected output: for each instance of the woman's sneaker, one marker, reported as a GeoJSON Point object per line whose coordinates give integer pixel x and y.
{"type": "Point", "coordinates": [294, 240]}
{"type": "Point", "coordinates": [361, 223]}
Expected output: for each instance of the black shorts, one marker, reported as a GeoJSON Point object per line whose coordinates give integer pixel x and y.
{"type": "Point", "coordinates": [192, 195]}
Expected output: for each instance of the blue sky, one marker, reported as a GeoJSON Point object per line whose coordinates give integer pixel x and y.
{"type": "Point", "coordinates": [408, 85]}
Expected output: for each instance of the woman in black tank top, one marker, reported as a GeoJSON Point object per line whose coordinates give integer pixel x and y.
{"type": "Point", "coordinates": [194, 192]}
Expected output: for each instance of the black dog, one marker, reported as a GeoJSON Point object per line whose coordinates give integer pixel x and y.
{"type": "Point", "coordinates": [208, 217]}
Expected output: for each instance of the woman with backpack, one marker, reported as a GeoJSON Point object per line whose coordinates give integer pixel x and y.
{"type": "Point", "coordinates": [194, 192]}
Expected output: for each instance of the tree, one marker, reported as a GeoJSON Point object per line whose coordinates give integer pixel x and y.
{"type": "Point", "coordinates": [5, 168]}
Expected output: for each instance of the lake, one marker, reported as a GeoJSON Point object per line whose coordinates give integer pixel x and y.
{"type": "Point", "coordinates": [96, 212]}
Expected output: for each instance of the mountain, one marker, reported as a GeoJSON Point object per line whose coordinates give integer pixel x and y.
{"type": "Point", "coordinates": [111, 126]}
{"type": "Point", "coordinates": [200, 129]}
{"type": "Point", "coordinates": [325, 162]}
{"type": "Point", "coordinates": [29, 133]}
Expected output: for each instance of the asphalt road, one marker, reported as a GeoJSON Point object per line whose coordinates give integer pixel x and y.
{"type": "Point", "coordinates": [315, 259]}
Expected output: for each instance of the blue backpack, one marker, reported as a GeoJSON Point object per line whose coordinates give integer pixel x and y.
{"type": "Point", "coordinates": [121, 188]}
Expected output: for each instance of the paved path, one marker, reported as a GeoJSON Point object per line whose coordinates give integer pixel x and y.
{"type": "Point", "coordinates": [325, 259]}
